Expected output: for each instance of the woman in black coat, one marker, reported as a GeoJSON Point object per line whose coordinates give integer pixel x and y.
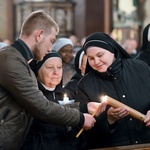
{"type": "Point", "coordinates": [112, 72]}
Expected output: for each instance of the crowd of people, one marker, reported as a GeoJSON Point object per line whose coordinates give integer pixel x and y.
{"type": "Point", "coordinates": [38, 71]}
{"type": "Point", "coordinates": [20, 98]}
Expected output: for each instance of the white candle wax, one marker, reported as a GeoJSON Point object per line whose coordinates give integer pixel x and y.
{"type": "Point", "coordinates": [66, 98]}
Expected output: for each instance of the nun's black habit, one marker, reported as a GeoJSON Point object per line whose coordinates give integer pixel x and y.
{"type": "Point", "coordinates": [126, 80]}
{"type": "Point", "coordinates": [46, 136]}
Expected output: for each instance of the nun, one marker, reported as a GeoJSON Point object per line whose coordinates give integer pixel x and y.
{"type": "Point", "coordinates": [110, 71]}
{"type": "Point", "coordinates": [43, 135]}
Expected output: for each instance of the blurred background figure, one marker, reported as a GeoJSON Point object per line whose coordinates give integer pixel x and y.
{"type": "Point", "coordinates": [83, 40]}
{"type": "Point", "coordinates": [74, 40]}
{"type": "Point", "coordinates": [76, 44]}
{"type": "Point", "coordinates": [145, 49]}
{"type": "Point", "coordinates": [75, 50]}
{"type": "Point", "coordinates": [130, 45]}
{"type": "Point", "coordinates": [64, 47]}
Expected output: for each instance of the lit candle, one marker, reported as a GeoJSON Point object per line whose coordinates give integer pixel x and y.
{"type": "Point", "coordinates": [66, 98]}
{"type": "Point", "coordinates": [132, 112]}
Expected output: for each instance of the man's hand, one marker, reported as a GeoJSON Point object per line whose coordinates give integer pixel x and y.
{"type": "Point", "coordinates": [96, 108]}
{"type": "Point", "coordinates": [89, 121]}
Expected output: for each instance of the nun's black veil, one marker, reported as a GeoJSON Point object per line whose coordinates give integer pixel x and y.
{"type": "Point", "coordinates": [145, 38]}
{"type": "Point", "coordinates": [100, 39]}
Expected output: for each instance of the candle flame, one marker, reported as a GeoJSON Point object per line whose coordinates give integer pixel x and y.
{"type": "Point", "coordinates": [104, 98]}
{"type": "Point", "coordinates": [65, 95]}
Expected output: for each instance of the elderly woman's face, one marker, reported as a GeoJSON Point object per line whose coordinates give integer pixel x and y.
{"type": "Point", "coordinates": [99, 58]}
{"type": "Point", "coordinates": [50, 74]}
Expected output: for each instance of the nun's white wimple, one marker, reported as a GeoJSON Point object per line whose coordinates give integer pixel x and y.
{"type": "Point", "coordinates": [148, 35]}
{"type": "Point", "coordinates": [80, 59]}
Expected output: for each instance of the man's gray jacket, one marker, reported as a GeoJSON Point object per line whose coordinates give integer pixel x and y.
{"type": "Point", "coordinates": [20, 99]}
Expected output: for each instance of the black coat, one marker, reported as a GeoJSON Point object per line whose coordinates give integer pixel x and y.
{"type": "Point", "coordinates": [128, 81]}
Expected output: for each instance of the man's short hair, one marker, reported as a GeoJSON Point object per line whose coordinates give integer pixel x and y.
{"type": "Point", "coordinates": [38, 20]}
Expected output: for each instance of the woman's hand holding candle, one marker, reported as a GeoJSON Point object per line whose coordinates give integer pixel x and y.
{"type": "Point", "coordinates": [147, 119]}
{"type": "Point", "coordinates": [114, 114]}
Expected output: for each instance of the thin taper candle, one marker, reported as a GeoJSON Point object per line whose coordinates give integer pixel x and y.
{"type": "Point", "coordinates": [78, 134]}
